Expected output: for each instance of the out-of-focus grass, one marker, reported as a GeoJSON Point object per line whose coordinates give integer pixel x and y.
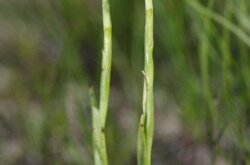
{"type": "Point", "coordinates": [50, 49]}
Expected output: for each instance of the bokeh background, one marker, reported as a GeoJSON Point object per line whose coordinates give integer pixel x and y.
{"type": "Point", "coordinates": [50, 50]}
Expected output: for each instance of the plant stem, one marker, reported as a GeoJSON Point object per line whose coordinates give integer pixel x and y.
{"type": "Point", "coordinates": [99, 142]}
{"type": "Point", "coordinates": [99, 114]}
{"type": "Point", "coordinates": [146, 128]}
{"type": "Point", "coordinates": [106, 62]}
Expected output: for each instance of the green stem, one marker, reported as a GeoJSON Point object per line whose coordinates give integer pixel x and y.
{"type": "Point", "coordinates": [99, 142]}
{"type": "Point", "coordinates": [146, 128]}
{"type": "Point", "coordinates": [106, 62]}
{"type": "Point", "coordinates": [99, 114]}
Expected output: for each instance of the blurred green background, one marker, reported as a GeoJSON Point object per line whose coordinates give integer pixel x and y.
{"type": "Point", "coordinates": [51, 49]}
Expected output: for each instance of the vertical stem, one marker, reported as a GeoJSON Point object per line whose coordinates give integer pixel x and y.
{"type": "Point", "coordinates": [146, 128]}
{"type": "Point", "coordinates": [99, 114]}
{"type": "Point", "coordinates": [149, 79]}
{"type": "Point", "coordinates": [98, 136]}
{"type": "Point", "coordinates": [106, 62]}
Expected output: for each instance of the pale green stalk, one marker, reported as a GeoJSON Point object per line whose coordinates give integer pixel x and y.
{"type": "Point", "coordinates": [146, 127]}
{"type": "Point", "coordinates": [99, 143]}
{"type": "Point", "coordinates": [106, 62]}
{"type": "Point", "coordinates": [99, 114]}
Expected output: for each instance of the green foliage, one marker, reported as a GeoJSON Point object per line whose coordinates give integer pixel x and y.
{"type": "Point", "coordinates": [51, 49]}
